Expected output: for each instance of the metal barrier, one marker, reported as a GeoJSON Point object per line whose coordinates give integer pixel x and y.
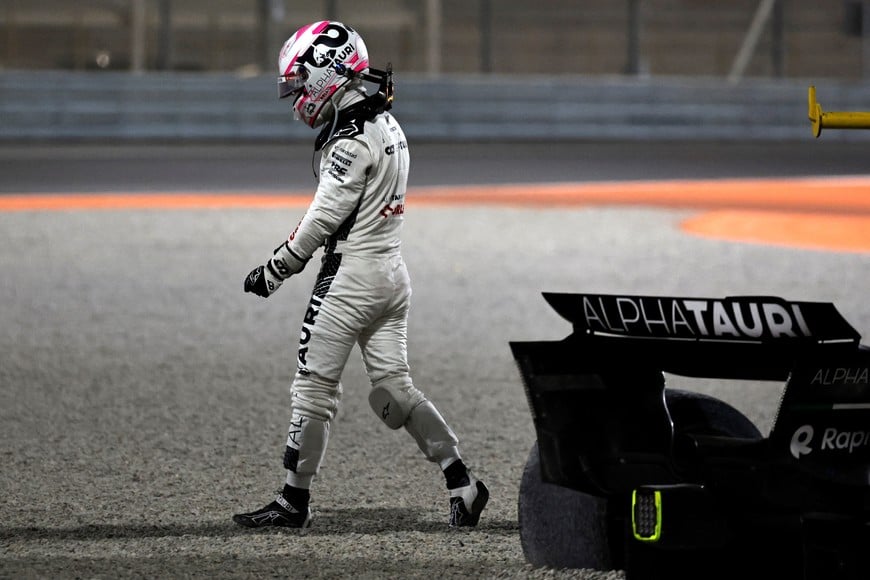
{"type": "Point", "coordinates": [121, 107]}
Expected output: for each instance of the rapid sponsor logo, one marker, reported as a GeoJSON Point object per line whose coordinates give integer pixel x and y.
{"type": "Point", "coordinates": [832, 440]}
{"type": "Point", "coordinates": [694, 317]}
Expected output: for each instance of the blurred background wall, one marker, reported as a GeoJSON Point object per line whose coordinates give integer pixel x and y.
{"type": "Point", "coordinates": [820, 38]}
{"type": "Point", "coordinates": [676, 54]}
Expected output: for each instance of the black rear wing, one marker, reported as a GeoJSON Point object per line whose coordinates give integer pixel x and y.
{"type": "Point", "coordinates": [743, 337]}
{"type": "Point", "coordinates": [598, 396]}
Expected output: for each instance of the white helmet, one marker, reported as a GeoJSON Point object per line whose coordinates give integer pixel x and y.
{"type": "Point", "coordinates": [317, 62]}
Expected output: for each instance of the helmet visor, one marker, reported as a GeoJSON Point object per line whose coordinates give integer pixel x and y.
{"type": "Point", "coordinates": [292, 83]}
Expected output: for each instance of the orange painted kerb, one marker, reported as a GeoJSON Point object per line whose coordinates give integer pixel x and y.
{"type": "Point", "coordinates": [819, 212]}
{"type": "Point", "coordinates": [831, 194]}
{"type": "Point", "coordinates": [843, 233]}
{"type": "Point", "coordinates": [158, 201]}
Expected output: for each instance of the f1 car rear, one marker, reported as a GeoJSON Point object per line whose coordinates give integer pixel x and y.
{"type": "Point", "coordinates": [628, 473]}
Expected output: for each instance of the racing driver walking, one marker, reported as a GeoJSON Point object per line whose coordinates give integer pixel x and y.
{"type": "Point", "coordinates": [362, 291]}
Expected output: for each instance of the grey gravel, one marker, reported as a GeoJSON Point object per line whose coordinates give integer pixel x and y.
{"type": "Point", "coordinates": [144, 396]}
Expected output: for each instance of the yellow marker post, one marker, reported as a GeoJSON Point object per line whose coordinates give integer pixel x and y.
{"type": "Point", "coordinates": [832, 119]}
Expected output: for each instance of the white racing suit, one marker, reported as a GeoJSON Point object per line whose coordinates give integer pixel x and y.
{"type": "Point", "coordinates": [361, 295]}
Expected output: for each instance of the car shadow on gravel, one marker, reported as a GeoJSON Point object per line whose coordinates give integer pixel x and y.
{"type": "Point", "coordinates": [375, 520]}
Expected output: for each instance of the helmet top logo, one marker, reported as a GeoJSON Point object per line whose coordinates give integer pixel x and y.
{"type": "Point", "coordinates": [321, 56]}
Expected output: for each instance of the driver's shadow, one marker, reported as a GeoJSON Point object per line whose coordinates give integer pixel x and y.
{"type": "Point", "coordinates": [374, 520]}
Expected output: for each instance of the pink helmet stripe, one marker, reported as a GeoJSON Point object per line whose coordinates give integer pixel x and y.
{"type": "Point", "coordinates": [356, 63]}
{"type": "Point", "coordinates": [320, 26]}
{"type": "Point", "coordinates": [290, 64]}
{"type": "Point", "coordinates": [314, 28]}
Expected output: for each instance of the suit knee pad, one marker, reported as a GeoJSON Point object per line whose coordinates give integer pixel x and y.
{"type": "Point", "coordinates": [393, 398]}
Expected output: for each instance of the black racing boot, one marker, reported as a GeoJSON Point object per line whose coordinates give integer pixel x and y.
{"type": "Point", "coordinates": [279, 513]}
{"type": "Point", "coordinates": [468, 496]}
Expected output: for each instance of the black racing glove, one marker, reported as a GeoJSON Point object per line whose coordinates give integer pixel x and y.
{"type": "Point", "coordinates": [265, 280]}
{"type": "Point", "coordinates": [262, 282]}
